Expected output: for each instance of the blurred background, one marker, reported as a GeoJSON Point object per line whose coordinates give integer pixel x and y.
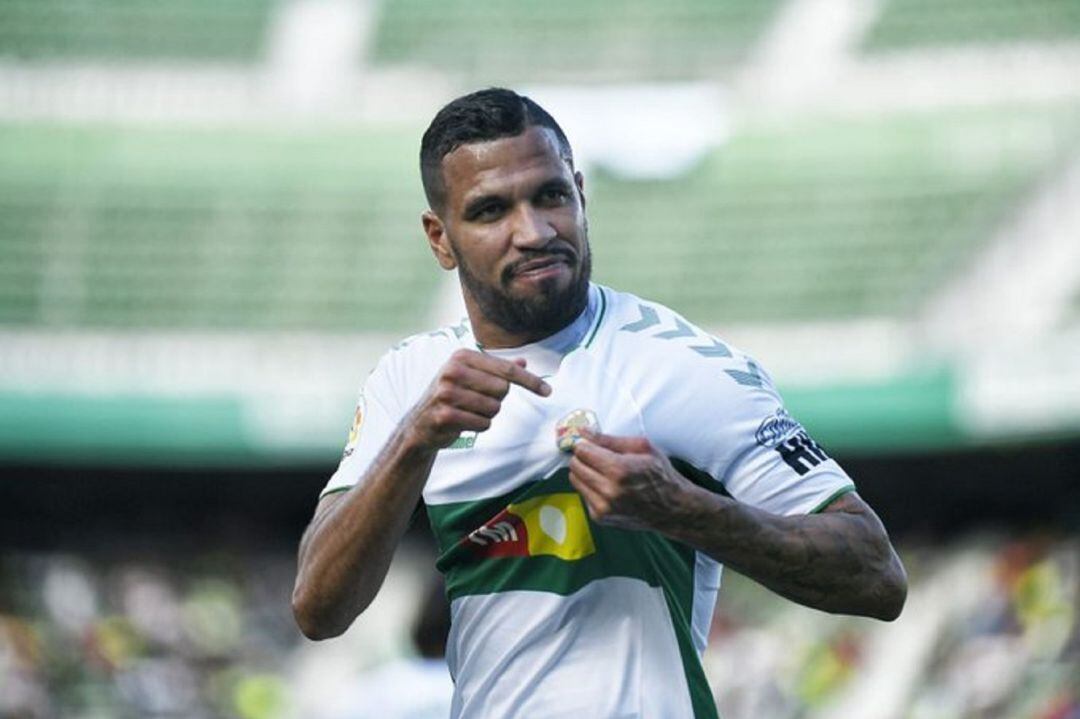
{"type": "Point", "coordinates": [209, 232]}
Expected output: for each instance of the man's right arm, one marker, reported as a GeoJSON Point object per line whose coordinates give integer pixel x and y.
{"type": "Point", "coordinates": [346, 550]}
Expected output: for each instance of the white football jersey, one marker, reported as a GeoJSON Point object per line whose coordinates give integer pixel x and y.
{"type": "Point", "coordinates": [552, 614]}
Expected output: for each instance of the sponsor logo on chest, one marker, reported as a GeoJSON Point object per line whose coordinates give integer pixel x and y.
{"type": "Point", "coordinates": [551, 524]}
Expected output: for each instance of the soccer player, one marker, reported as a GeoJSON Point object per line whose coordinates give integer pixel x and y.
{"type": "Point", "coordinates": [582, 583]}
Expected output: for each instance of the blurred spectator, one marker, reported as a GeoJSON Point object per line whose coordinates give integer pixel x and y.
{"type": "Point", "coordinates": [208, 636]}
{"type": "Point", "coordinates": [414, 687]}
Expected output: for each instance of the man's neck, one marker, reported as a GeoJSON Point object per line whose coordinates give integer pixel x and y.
{"type": "Point", "coordinates": [494, 337]}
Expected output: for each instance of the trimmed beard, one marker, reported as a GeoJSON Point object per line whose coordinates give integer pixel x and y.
{"type": "Point", "coordinates": [543, 314]}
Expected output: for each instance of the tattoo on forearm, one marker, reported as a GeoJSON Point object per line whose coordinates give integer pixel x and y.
{"type": "Point", "coordinates": [839, 560]}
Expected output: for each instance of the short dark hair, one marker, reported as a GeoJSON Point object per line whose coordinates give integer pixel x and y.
{"type": "Point", "coordinates": [480, 116]}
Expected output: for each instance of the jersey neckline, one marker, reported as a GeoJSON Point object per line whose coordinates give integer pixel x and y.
{"type": "Point", "coordinates": [577, 335]}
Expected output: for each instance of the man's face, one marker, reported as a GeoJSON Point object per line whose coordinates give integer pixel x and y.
{"type": "Point", "coordinates": [514, 226]}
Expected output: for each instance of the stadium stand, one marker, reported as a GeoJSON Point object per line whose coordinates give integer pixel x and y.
{"type": "Point", "coordinates": [1002, 647]}
{"type": "Point", "coordinates": [208, 634]}
{"type": "Point", "coordinates": [827, 220]}
{"type": "Point", "coordinates": [132, 30]}
{"type": "Point", "coordinates": [909, 24]}
{"type": "Point", "coordinates": [199, 635]}
{"type": "Point", "coordinates": [110, 227]}
{"type": "Point", "coordinates": [185, 229]}
{"type": "Point", "coordinates": [592, 39]}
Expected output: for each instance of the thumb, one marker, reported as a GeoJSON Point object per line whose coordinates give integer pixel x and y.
{"type": "Point", "coordinates": [622, 445]}
{"type": "Point", "coordinates": [520, 362]}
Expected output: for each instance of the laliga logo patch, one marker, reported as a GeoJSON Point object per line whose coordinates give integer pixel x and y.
{"type": "Point", "coordinates": [354, 430]}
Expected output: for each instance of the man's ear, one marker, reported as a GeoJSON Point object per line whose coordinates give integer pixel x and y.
{"type": "Point", "coordinates": [438, 240]}
{"type": "Point", "coordinates": [579, 180]}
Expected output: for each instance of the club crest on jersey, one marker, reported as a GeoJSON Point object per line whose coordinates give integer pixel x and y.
{"type": "Point", "coordinates": [551, 524]}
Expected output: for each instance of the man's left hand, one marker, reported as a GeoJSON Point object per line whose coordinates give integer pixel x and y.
{"type": "Point", "coordinates": [626, 482]}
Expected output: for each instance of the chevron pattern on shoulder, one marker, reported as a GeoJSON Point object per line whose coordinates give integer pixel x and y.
{"type": "Point", "coordinates": [681, 330]}
{"type": "Point", "coordinates": [649, 318]}
{"type": "Point", "coordinates": [752, 378]}
{"type": "Point", "coordinates": [716, 349]}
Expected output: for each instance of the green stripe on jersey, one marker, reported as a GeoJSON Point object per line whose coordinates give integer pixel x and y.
{"type": "Point", "coordinates": [832, 498]}
{"type": "Point", "coordinates": [494, 545]}
{"type": "Point", "coordinates": [599, 318]}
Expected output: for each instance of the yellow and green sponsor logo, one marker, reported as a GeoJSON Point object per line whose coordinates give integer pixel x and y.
{"type": "Point", "coordinates": [550, 524]}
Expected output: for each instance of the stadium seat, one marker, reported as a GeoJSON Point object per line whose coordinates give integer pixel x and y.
{"type": "Point", "coordinates": [916, 24]}
{"type": "Point", "coordinates": [162, 229]}
{"type": "Point", "coordinates": [570, 39]}
{"type": "Point", "coordinates": [830, 221]}
{"type": "Point", "coordinates": [173, 229]}
{"type": "Point", "coordinates": [203, 30]}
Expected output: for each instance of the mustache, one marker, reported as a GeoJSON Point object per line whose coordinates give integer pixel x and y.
{"type": "Point", "coordinates": [563, 253]}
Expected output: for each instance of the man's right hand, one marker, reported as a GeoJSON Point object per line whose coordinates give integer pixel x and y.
{"type": "Point", "coordinates": [466, 395]}
{"type": "Point", "coordinates": [346, 550]}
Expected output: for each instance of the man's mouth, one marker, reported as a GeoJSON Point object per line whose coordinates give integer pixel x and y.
{"type": "Point", "coordinates": [541, 265]}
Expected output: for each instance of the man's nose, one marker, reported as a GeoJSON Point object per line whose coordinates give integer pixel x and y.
{"type": "Point", "coordinates": [531, 228]}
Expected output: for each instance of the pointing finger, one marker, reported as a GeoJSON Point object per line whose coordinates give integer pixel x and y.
{"type": "Point", "coordinates": [523, 378]}
{"type": "Point", "coordinates": [513, 372]}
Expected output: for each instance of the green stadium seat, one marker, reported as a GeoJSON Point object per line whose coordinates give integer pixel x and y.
{"type": "Point", "coordinates": [912, 24]}
{"type": "Point", "coordinates": [570, 40]}
{"type": "Point", "coordinates": [199, 30]}
{"type": "Point", "coordinates": [173, 230]}
{"type": "Point", "coordinates": [833, 221]}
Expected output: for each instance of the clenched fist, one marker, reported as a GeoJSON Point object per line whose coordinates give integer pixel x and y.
{"type": "Point", "coordinates": [466, 395]}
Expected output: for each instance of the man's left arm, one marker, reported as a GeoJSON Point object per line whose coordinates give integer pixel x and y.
{"type": "Point", "coordinates": [838, 560]}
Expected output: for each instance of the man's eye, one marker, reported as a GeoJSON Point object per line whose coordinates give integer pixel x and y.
{"type": "Point", "coordinates": [487, 212]}
{"type": "Point", "coordinates": [554, 196]}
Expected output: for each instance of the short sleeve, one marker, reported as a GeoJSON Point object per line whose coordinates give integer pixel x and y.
{"type": "Point", "coordinates": [377, 415]}
{"type": "Point", "coordinates": [726, 419]}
